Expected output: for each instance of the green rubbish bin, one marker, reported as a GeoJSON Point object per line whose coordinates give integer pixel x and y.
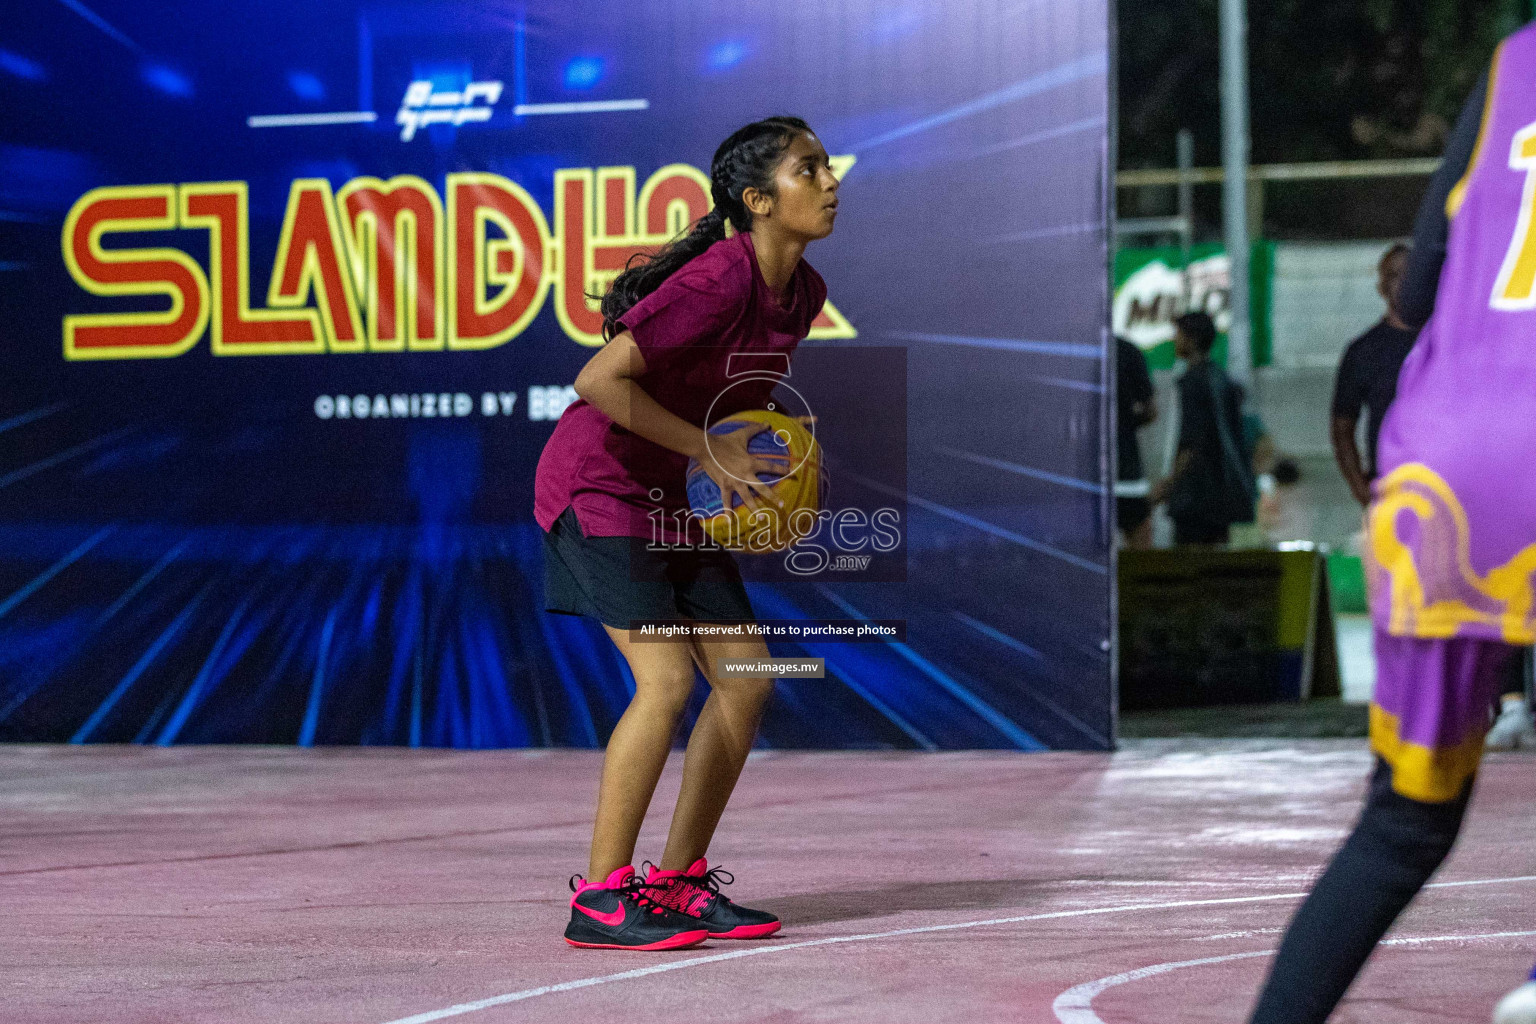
{"type": "Point", "coordinates": [1346, 584]}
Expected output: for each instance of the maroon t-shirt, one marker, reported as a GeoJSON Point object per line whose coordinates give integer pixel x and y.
{"type": "Point", "coordinates": [715, 305]}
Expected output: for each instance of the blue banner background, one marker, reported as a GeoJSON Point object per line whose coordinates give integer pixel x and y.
{"type": "Point", "coordinates": [188, 554]}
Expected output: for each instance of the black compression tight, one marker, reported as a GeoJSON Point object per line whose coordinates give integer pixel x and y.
{"type": "Point", "coordinates": [1396, 846]}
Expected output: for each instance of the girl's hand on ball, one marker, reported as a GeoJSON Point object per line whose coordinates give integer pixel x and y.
{"type": "Point", "coordinates": [734, 470]}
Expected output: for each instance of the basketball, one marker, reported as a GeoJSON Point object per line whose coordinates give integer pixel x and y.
{"type": "Point", "coordinates": [800, 483]}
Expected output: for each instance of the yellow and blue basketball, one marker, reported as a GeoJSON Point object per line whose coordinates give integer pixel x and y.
{"type": "Point", "coordinates": [800, 484]}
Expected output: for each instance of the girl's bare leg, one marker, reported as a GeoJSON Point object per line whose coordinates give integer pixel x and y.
{"type": "Point", "coordinates": [717, 750]}
{"type": "Point", "coordinates": [637, 751]}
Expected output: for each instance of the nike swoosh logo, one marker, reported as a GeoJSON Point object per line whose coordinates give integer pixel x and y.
{"type": "Point", "coordinates": [612, 919]}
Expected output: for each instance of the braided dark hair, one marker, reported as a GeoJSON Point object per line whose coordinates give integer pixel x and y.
{"type": "Point", "coordinates": [745, 160]}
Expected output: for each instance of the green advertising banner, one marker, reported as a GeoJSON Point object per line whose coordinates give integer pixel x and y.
{"type": "Point", "coordinates": [1150, 294]}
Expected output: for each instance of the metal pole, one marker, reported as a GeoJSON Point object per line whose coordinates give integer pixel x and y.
{"type": "Point", "coordinates": [1186, 159]}
{"type": "Point", "coordinates": [1234, 192]}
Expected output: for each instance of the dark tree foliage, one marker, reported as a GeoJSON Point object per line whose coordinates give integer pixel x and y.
{"type": "Point", "coordinates": [1329, 79]}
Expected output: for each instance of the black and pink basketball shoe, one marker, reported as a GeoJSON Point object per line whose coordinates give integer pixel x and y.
{"type": "Point", "coordinates": [621, 913]}
{"type": "Point", "coordinates": [696, 893]}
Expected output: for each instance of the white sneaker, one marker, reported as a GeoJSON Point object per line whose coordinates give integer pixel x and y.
{"type": "Point", "coordinates": [1519, 1007]}
{"type": "Point", "coordinates": [1513, 728]}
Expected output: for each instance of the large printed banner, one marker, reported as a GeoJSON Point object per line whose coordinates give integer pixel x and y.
{"type": "Point", "coordinates": [294, 294]}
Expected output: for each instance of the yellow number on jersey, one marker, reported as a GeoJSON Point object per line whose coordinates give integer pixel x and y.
{"type": "Point", "coordinates": [1516, 286]}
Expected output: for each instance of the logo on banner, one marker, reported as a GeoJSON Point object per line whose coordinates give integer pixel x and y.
{"type": "Point", "coordinates": [423, 105]}
{"type": "Point", "coordinates": [375, 266]}
{"type": "Point", "coordinates": [1149, 301]}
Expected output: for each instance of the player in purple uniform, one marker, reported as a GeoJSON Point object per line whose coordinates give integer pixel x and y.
{"type": "Point", "coordinates": [1451, 540]}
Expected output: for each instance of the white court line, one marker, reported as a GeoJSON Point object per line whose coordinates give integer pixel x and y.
{"type": "Point", "coordinates": [295, 120]}
{"type": "Point", "coordinates": [677, 965]}
{"type": "Point", "coordinates": [1075, 1005]}
{"type": "Point", "coordinates": [589, 107]}
{"type": "Point", "coordinates": [1250, 933]}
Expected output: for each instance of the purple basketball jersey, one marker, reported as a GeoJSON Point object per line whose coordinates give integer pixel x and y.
{"type": "Point", "coordinates": [1452, 531]}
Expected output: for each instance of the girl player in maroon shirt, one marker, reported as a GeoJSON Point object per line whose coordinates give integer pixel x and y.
{"type": "Point", "coordinates": [609, 483]}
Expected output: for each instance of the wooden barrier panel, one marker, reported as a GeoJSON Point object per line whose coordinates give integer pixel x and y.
{"type": "Point", "coordinates": [1201, 627]}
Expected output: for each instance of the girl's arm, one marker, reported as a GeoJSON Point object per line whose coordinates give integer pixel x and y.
{"type": "Point", "coordinates": [608, 383]}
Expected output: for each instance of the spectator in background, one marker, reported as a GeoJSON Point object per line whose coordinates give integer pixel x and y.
{"type": "Point", "coordinates": [1211, 485]}
{"type": "Point", "coordinates": [1135, 408]}
{"type": "Point", "coordinates": [1367, 378]}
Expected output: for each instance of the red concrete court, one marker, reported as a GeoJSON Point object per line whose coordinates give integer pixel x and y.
{"type": "Point", "coordinates": [369, 886]}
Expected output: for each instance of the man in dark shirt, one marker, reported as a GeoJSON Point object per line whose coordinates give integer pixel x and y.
{"type": "Point", "coordinates": [1211, 486]}
{"type": "Point", "coordinates": [1135, 408]}
{"type": "Point", "coordinates": [1367, 378]}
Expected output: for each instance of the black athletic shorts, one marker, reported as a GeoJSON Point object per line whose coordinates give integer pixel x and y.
{"type": "Point", "coordinates": [619, 580]}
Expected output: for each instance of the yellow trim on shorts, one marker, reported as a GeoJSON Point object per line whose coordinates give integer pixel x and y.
{"type": "Point", "coordinates": [1431, 775]}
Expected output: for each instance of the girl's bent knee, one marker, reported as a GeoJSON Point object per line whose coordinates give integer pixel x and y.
{"type": "Point", "coordinates": [747, 691]}
{"type": "Point", "coordinates": [663, 696]}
